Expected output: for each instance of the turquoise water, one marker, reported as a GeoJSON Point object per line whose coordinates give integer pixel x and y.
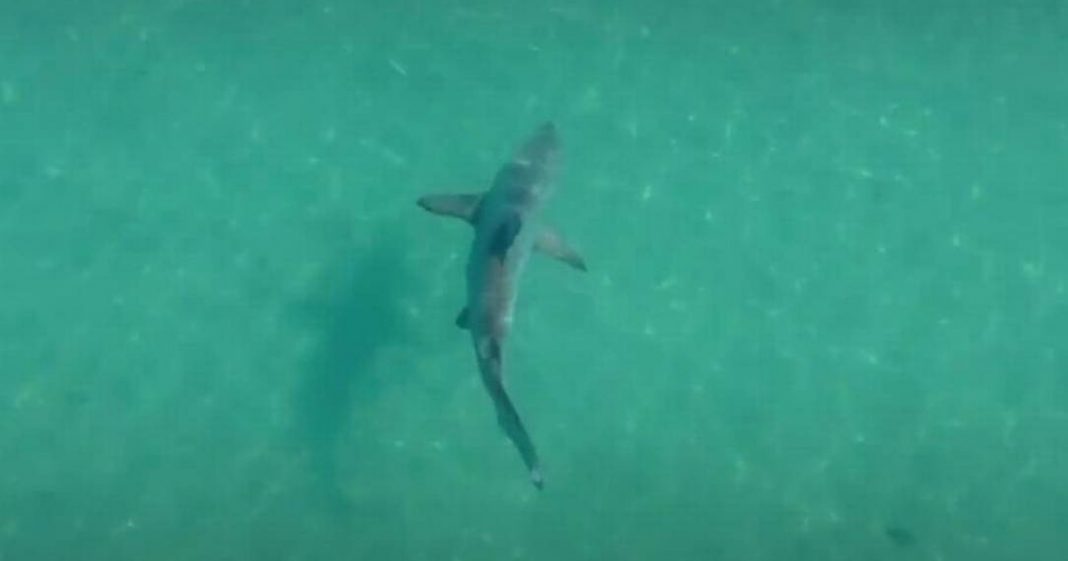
{"type": "Point", "coordinates": [826, 316]}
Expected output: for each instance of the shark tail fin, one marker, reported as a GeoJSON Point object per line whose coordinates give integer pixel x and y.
{"type": "Point", "coordinates": [509, 421]}
{"type": "Point", "coordinates": [512, 425]}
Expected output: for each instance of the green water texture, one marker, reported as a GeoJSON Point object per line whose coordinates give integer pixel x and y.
{"type": "Point", "coordinates": [826, 316]}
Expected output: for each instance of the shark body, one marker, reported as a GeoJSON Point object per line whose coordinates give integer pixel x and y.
{"type": "Point", "coordinates": [507, 231]}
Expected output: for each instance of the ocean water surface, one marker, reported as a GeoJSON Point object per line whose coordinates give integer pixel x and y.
{"type": "Point", "coordinates": [826, 316]}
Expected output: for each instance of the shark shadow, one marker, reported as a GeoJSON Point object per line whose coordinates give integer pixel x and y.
{"type": "Point", "coordinates": [355, 314]}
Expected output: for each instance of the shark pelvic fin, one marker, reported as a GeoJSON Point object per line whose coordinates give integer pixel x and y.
{"type": "Point", "coordinates": [552, 244]}
{"type": "Point", "coordinates": [460, 205]}
{"type": "Point", "coordinates": [462, 319]}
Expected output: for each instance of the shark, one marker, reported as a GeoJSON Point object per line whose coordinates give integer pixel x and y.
{"type": "Point", "coordinates": [508, 229]}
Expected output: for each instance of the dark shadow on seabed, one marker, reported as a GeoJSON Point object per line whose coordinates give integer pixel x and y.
{"type": "Point", "coordinates": [355, 313]}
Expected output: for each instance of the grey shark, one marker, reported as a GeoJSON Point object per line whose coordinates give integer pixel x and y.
{"type": "Point", "coordinates": [507, 231]}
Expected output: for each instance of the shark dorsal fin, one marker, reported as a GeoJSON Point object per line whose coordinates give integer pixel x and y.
{"type": "Point", "coordinates": [459, 205]}
{"type": "Point", "coordinates": [504, 236]}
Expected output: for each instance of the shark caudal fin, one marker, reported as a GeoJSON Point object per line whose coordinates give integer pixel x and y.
{"type": "Point", "coordinates": [507, 416]}
{"type": "Point", "coordinates": [458, 205]}
{"type": "Point", "coordinates": [509, 421]}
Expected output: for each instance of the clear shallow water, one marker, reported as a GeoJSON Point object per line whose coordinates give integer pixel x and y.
{"type": "Point", "coordinates": [825, 317]}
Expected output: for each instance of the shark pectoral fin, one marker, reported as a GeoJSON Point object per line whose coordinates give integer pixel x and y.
{"type": "Point", "coordinates": [552, 244]}
{"type": "Point", "coordinates": [462, 319]}
{"type": "Point", "coordinates": [462, 205]}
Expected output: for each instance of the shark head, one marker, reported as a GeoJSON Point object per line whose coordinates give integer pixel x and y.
{"type": "Point", "coordinates": [541, 150]}
{"type": "Point", "coordinates": [527, 180]}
